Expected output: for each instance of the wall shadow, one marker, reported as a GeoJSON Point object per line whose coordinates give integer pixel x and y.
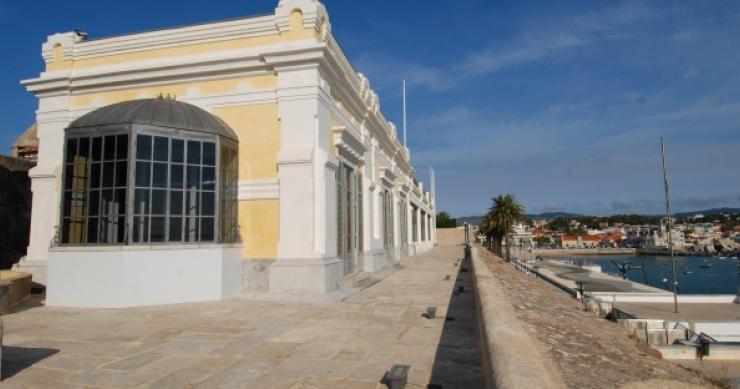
{"type": "Point", "coordinates": [457, 362]}
{"type": "Point", "coordinates": [17, 359]}
{"type": "Point", "coordinates": [30, 302]}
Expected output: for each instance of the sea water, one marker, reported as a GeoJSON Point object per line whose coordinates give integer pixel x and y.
{"type": "Point", "coordinates": [722, 277]}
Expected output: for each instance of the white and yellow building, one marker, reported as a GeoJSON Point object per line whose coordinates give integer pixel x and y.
{"type": "Point", "coordinates": [299, 183]}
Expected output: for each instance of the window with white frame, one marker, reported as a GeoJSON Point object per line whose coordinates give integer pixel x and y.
{"type": "Point", "coordinates": [349, 215]}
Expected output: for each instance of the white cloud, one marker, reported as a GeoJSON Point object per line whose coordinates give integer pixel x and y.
{"type": "Point", "coordinates": [536, 42]}
{"type": "Point", "coordinates": [592, 149]}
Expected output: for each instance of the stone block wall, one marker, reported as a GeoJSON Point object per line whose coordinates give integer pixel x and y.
{"type": "Point", "coordinates": [15, 209]}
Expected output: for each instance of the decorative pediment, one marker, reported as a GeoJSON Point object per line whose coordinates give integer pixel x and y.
{"type": "Point", "coordinates": [64, 40]}
{"type": "Point", "coordinates": [314, 15]}
{"type": "Point", "coordinates": [402, 185]}
{"type": "Point", "coordinates": [394, 130]}
{"type": "Point", "coordinates": [348, 145]}
{"type": "Point", "coordinates": [388, 176]}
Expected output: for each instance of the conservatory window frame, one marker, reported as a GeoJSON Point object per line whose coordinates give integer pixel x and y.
{"type": "Point", "coordinates": [130, 187]}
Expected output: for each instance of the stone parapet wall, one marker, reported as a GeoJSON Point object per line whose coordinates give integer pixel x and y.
{"type": "Point", "coordinates": [571, 252]}
{"type": "Point", "coordinates": [511, 357]}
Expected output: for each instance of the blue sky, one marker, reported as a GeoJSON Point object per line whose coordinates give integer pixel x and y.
{"type": "Point", "coordinates": [560, 103]}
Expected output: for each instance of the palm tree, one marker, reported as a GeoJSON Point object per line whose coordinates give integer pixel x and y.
{"type": "Point", "coordinates": [485, 229]}
{"type": "Point", "coordinates": [505, 212]}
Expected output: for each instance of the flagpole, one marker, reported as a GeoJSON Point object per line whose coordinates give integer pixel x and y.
{"type": "Point", "coordinates": [404, 113]}
{"type": "Point", "coordinates": [670, 225]}
{"type": "Point", "coordinates": [432, 183]}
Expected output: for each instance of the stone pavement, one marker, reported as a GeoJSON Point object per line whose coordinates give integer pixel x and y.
{"type": "Point", "coordinates": [259, 344]}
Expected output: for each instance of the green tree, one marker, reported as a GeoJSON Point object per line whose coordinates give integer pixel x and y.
{"type": "Point", "coordinates": [559, 224]}
{"type": "Point", "coordinates": [543, 240]}
{"type": "Point", "coordinates": [505, 212]}
{"type": "Point", "coordinates": [445, 221]}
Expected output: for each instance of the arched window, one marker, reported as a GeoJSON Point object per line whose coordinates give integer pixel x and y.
{"type": "Point", "coordinates": [149, 171]}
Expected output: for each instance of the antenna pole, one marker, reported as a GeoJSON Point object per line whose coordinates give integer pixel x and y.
{"type": "Point", "coordinates": [404, 113]}
{"type": "Point", "coordinates": [670, 225]}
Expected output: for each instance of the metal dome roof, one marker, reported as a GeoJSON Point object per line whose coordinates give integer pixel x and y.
{"type": "Point", "coordinates": [159, 112]}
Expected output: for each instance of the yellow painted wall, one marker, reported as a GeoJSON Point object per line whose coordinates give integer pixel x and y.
{"type": "Point", "coordinates": [203, 88]}
{"type": "Point", "coordinates": [296, 32]}
{"type": "Point", "coordinates": [258, 129]}
{"type": "Point", "coordinates": [259, 225]}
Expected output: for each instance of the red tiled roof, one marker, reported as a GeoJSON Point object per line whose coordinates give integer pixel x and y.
{"type": "Point", "coordinates": [591, 238]}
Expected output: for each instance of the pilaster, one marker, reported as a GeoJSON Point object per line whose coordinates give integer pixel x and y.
{"type": "Point", "coordinates": [306, 169]}
{"type": "Point", "coordinates": [51, 117]}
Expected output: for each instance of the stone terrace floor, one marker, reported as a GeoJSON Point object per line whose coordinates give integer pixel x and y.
{"type": "Point", "coordinates": [259, 344]}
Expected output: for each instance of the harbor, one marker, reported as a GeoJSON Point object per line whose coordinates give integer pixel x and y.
{"type": "Point", "coordinates": [703, 322]}
{"type": "Point", "coordinates": [694, 274]}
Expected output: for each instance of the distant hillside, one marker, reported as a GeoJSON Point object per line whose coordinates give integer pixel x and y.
{"type": "Point", "coordinates": [475, 220]}
{"type": "Point", "coordinates": [545, 215]}
{"type": "Point", "coordinates": [706, 212]}
{"type": "Point", "coordinates": [553, 215]}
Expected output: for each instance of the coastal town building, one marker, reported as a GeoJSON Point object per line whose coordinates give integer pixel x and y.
{"type": "Point", "coordinates": [197, 162]}
{"type": "Point", "coordinates": [580, 241]}
{"type": "Point", "coordinates": [660, 238]}
{"type": "Point", "coordinates": [523, 236]}
{"type": "Point", "coordinates": [688, 236]}
{"type": "Point", "coordinates": [568, 241]}
{"type": "Point", "coordinates": [27, 145]}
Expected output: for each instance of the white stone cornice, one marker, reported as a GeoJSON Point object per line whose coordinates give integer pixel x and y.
{"type": "Point", "coordinates": [259, 189]}
{"type": "Point", "coordinates": [178, 36]}
{"type": "Point", "coordinates": [359, 95]}
{"type": "Point", "coordinates": [213, 64]}
{"type": "Point", "coordinates": [305, 52]}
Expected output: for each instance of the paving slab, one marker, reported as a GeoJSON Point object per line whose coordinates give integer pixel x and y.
{"type": "Point", "coordinates": [258, 342]}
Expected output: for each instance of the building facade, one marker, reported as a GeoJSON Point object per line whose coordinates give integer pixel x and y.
{"type": "Point", "coordinates": [323, 189]}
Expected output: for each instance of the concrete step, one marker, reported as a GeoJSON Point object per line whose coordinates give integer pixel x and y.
{"type": "Point", "coordinates": [362, 280]}
{"type": "Point", "coordinates": [724, 351]}
{"type": "Point", "coordinates": [679, 352]}
{"type": "Point", "coordinates": [359, 280]}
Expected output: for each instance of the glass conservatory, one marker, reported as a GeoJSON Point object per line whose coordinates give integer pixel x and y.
{"type": "Point", "coordinates": [150, 171]}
